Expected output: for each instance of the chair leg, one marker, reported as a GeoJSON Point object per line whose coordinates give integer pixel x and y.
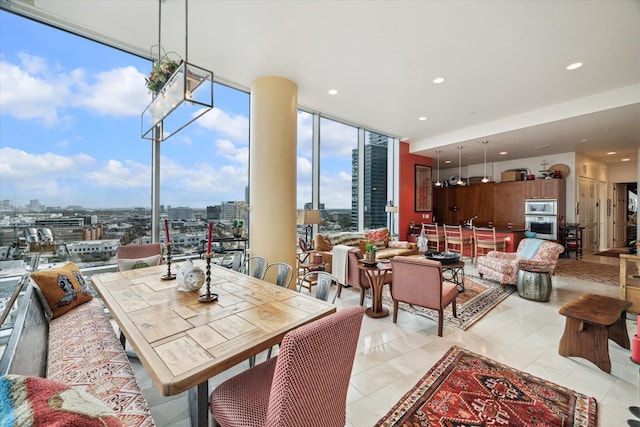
{"type": "Point", "coordinates": [339, 290]}
{"type": "Point", "coordinates": [362, 297]}
{"type": "Point", "coordinates": [395, 311]}
{"type": "Point", "coordinates": [453, 308]}
{"type": "Point", "coordinates": [440, 321]}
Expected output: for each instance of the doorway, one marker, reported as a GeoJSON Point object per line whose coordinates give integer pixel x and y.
{"type": "Point", "coordinates": [625, 214]}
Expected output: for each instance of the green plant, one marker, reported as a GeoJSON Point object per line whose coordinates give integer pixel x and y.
{"type": "Point", "coordinates": [376, 237]}
{"type": "Point", "coordinates": [371, 247]}
{"type": "Point", "coordinates": [237, 223]}
{"type": "Point", "coordinates": [160, 73]}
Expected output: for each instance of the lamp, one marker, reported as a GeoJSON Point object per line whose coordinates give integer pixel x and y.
{"type": "Point", "coordinates": [460, 182]}
{"type": "Point", "coordinates": [309, 217]}
{"type": "Point", "coordinates": [485, 179]}
{"type": "Point", "coordinates": [390, 209]}
{"type": "Point", "coordinates": [438, 183]}
{"type": "Point", "coordinates": [187, 94]}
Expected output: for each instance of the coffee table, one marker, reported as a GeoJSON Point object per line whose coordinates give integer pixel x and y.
{"type": "Point", "coordinates": [182, 342]}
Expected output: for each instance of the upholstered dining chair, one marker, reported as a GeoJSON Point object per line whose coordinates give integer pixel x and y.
{"type": "Point", "coordinates": [323, 282]}
{"type": "Point", "coordinates": [418, 281]}
{"type": "Point", "coordinates": [254, 266]}
{"type": "Point", "coordinates": [455, 240]}
{"type": "Point", "coordinates": [283, 271]}
{"type": "Point", "coordinates": [305, 385]}
{"type": "Point", "coordinates": [137, 252]}
{"type": "Point", "coordinates": [485, 239]}
{"type": "Point", "coordinates": [233, 260]}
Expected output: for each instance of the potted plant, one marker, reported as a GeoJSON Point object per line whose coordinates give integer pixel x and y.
{"type": "Point", "coordinates": [237, 228]}
{"type": "Point", "coordinates": [160, 73]}
{"type": "Point", "coordinates": [374, 238]}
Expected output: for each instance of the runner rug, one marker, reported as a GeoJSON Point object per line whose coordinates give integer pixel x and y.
{"type": "Point", "coordinates": [466, 389]}
{"type": "Point", "coordinates": [479, 297]}
{"type": "Point", "coordinates": [592, 271]}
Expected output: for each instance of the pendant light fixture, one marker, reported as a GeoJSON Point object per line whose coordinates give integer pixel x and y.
{"type": "Point", "coordinates": [438, 183]}
{"type": "Point", "coordinates": [485, 179]}
{"type": "Point", "coordinates": [187, 94]}
{"type": "Point", "coordinates": [460, 182]}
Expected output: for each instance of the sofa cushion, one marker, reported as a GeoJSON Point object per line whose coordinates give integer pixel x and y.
{"type": "Point", "coordinates": [40, 401]}
{"type": "Point", "coordinates": [399, 245]}
{"type": "Point", "coordinates": [322, 243]}
{"type": "Point", "coordinates": [345, 238]}
{"type": "Point", "coordinates": [61, 289]}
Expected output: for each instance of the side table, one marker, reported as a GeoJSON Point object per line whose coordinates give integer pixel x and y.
{"type": "Point", "coordinates": [591, 321]}
{"type": "Point", "coordinates": [454, 272]}
{"type": "Point", "coordinates": [534, 282]}
{"type": "Point", "coordinates": [376, 273]}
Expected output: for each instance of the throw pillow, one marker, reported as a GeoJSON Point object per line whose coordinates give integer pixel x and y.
{"type": "Point", "coordinates": [322, 244]}
{"type": "Point", "coordinates": [61, 289]}
{"type": "Point", "coordinates": [125, 264]}
{"type": "Point", "coordinates": [27, 401]}
{"type": "Point", "coordinates": [399, 245]}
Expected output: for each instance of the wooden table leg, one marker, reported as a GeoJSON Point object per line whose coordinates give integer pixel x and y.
{"type": "Point", "coordinates": [376, 280]}
{"type": "Point", "coordinates": [581, 339]}
{"type": "Point", "coordinates": [618, 332]}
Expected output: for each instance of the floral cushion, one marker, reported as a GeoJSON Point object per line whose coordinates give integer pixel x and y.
{"type": "Point", "coordinates": [85, 352]}
{"type": "Point", "coordinates": [61, 289]}
{"type": "Point", "coordinates": [28, 401]}
{"type": "Point", "coordinates": [133, 263]}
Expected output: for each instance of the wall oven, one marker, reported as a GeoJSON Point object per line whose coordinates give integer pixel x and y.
{"type": "Point", "coordinates": [541, 207]}
{"type": "Point", "coordinates": [545, 226]}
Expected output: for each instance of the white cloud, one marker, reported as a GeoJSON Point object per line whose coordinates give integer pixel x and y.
{"type": "Point", "coordinates": [235, 127]}
{"type": "Point", "coordinates": [118, 92]}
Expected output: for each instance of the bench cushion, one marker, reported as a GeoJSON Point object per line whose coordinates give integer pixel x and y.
{"type": "Point", "coordinates": [52, 403]}
{"type": "Point", "coordinates": [85, 353]}
{"type": "Point", "coordinates": [61, 289]}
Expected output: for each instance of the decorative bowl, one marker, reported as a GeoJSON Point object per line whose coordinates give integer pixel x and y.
{"type": "Point", "coordinates": [443, 257]}
{"type": "Point", "coordinates": [529, 234]}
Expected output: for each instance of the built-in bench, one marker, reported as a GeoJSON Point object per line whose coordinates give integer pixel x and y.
{"type": "Point", "coordinates": [79, 348]}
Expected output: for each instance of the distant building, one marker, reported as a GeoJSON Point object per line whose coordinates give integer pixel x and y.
{"type": "Point", "coordinates": [375, 183]}
{"type": "Point", "coordinates": [181, 213]}
{"type": "Point", "coordinates": [213, 212]}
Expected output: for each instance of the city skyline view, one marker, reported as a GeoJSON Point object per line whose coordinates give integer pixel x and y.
{"type": "Point", "coordinates": [70, 135]}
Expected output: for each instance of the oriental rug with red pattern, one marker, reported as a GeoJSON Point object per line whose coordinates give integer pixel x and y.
{"type": "Point", "coordinates": [467, 389]}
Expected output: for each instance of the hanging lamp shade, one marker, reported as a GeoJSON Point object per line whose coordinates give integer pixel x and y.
{"type": "Point", "coordinates": [485, 178]}
{"type": "Point", "coordinates": [438, 183]}
{"type": "Point", "coordinates": [186, 95]}
{"type": "Point", "coordinates": [460, 182]}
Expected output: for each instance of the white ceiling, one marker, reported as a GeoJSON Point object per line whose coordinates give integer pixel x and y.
{"type": "Point", "coordinates": [504, 64]}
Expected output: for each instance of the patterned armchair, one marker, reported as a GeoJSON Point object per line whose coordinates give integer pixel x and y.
{"type": "Point", "coordinates": [504, 266]}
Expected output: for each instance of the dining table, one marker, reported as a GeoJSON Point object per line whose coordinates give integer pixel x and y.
{"type": "Point", "coordinates": [183, 342]}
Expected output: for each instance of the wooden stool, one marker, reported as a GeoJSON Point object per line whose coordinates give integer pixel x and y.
{"type": "Point", "coordinates": [591, 321]}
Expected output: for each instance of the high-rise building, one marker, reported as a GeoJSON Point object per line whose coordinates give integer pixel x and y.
{"type": "Point", "coordinates": [375, 183]}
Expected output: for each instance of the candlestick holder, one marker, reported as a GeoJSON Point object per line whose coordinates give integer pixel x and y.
{"type": "Point", "coordinates": [169, 275]}
{"type": "Point", "coordinates": [208, 297]}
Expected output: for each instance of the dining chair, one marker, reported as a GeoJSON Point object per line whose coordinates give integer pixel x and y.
{"type": "Point", "coordinates": [323, 282]}
{"type": "Point", "coordinates": [233, 260]}
{"type": "Point", "coordinates": [434, 236]}
{"type": "Point", "coordinates": [284, 273]}
{"type": "Point", "coordinates": [305, 385]}
{"type": "Point", "coordinates": [455, 240]}
{"type": "Point", "coordinates": [419, 281]}
{"type": "Point", "coordinates": [485, 238]}
{"type": "Point", "coordinates": [254, 266]}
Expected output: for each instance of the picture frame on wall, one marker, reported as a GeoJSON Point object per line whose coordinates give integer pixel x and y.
{"type": "Point", "coordinates": [423, 188]}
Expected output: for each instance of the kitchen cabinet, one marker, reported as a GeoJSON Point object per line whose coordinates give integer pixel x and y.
{"type": "Point", "coordinates": [508, 205]}
{"type": "Point", "coordinates": [545, 189]}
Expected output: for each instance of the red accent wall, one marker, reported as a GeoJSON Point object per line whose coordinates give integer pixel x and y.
{"type": "Point", "coordinates": [406, 207]}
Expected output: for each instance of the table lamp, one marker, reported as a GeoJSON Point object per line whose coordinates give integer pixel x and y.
{"type": "Point", "coordinates": [309, 217]}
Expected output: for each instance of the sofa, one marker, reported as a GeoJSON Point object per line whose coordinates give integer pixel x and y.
{"type": "Point", "coordinates": [323, 244]}
{"type": "Point", "coordinates": [504, 266]}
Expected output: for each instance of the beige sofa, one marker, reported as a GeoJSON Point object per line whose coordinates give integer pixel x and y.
{"type": "Point", "coordinates": [323, 243]}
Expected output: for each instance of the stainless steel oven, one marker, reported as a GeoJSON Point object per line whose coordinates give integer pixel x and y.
{"type": "Point", "coordinates": [541, 207]}
{"type": "Point", "coordinates": [545, 226]}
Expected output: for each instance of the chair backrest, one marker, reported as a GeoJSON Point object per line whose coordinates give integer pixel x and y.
{"type": "Point", "coordinates": [284, 273]}
{"type": "Point", "coordinates": [254, 266]}
{"type": "Point", "coordinates": [143, 250]}
{"type": "Point", "coordinates": [417, 281]}
{"type": "Point", "coordinates": [452, 231]}
{"type": "Point", "coordinates": [233, 260]}
{"type": "Point", "coordinates": [547, 251]}
{"type": "Point", "coordinates": [323, 284]}
{"type": "Point", "coordinates": [312, 372]}
{"type": "Point", "coordinates": [484, 235]}
{"type": "Point", "coordinates": [432, 231]}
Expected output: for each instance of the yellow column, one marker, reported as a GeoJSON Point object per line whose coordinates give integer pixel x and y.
{"type": "Point", "coordinates": [272, 170]}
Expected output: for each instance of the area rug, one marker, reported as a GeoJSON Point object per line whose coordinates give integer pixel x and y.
{"type": "Point", "coordinates": [479, 297]}
{"type": "Point", "coordinates": [467, 389]}
{"type": "Point", "coordinates": [592, 271]}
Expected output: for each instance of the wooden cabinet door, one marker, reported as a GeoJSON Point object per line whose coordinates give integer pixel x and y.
{"type": "Point", "coordinates": [508, 204]}
{"type": "Point", "coordinates": [544, 189]}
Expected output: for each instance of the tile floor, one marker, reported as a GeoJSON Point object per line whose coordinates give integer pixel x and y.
{"type": "Point", "coordinates": [523, 334]}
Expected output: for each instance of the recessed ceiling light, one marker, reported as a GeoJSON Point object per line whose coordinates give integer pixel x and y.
{"type": "Point", "coordinates": [333, 92]}
{"type": "Point", "coordinates": [446, 162]}
{"type": "Point", "coordinates": [423, 118]}
{"type": "Point", "coordinates": [574, 66]}
{"type": "Point", "coordinates": [626, 159]}
{"type": "Point", "coordinates": [584, 140]}
{"type": "Point", "coordinates": [611, 153]}
{"type": "Point", "coordinates": [438, 80]}
{"type": "Point", "coordinates": [502, 153]}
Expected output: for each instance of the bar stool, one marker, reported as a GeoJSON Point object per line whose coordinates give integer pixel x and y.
{"type": "Point", "coordinates": [455, 241]}
{"type": "Point", "coordinates": [433, 235]}
{"type": "Point", "coordinates": [485, 238]}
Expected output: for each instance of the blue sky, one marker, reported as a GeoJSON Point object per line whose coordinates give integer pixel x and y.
{"type": "Point", "coordinates": [70, 131]}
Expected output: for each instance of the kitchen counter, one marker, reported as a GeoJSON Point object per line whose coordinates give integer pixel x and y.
{"type": "Point", "coordinates": [512, 237]}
